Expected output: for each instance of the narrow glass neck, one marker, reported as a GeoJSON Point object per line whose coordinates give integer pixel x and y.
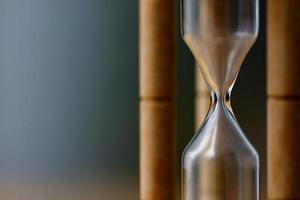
{"type": "Point", "coordinates": [222, 100]}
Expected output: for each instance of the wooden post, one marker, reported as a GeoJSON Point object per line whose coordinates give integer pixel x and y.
{"type": "Point", "coordinates": [283, 57]}
{"type": "Point", "coordinates": [202, 98]}
{"type": "Point", "coordinates": [157, 99]}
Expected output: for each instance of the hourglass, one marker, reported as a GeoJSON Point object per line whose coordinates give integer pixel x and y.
{"type": "Point", "coordinates": [220, 163]}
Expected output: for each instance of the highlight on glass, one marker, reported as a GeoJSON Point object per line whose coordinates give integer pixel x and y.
{"type": "Point", "coordinates": [220, 163]}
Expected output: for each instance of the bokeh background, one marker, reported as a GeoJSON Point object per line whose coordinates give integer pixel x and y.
{"type": "Point", "coordinates": [69, 99]}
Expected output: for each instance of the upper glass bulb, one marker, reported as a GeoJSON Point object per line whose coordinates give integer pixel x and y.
{"type": "Point", "coordinates": [219, 33]}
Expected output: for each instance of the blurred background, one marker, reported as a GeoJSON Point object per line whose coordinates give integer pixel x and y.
{"type": "Point", "coordinates": [69, 99]}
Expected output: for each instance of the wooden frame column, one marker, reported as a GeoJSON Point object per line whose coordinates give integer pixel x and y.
{"type": "Point", "coordinates": [283, 123]}
{"type": "Point", "coordinates": [157, 99]}
{"type": "Point", "coordinates": [202, 98]}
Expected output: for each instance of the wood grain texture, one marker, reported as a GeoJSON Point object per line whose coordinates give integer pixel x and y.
{"type": "Point", "coordinates": [157, 150]}
{"type": "Point", "coordinates": [202, 98]}
{"type": "Point", "coordinates": [283, 70]}
{"type": "Point", "coordinates": [283, 55]}
{"type": "Point", "coordinates": [202, 105]}
{"type": "Point", "coordinates": [157, 48]}
{"type": "Point", "coordinates": [157, 71]}
{"type": "Point", "coordinates": [201, 86]}
{"type": "Point", "coordinates": [283, 149]}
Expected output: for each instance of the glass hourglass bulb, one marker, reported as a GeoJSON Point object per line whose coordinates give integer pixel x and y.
{"type": "Point", "coordinates": [220, 163]}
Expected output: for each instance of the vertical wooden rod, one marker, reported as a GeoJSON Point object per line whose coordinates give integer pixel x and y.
{"type": "Point", "coordinates": [202, 98]}
{"type": "Point", "coordinates": [157, 99]}
{"type": "Point", "coordinates": [283, 84]}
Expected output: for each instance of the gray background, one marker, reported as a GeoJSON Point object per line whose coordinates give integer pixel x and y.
{"type": "Point", "coordinates": [69, 94]}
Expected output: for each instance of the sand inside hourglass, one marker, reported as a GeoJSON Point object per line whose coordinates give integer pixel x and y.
{"type": "Point", "coordinates": [220, 57]}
